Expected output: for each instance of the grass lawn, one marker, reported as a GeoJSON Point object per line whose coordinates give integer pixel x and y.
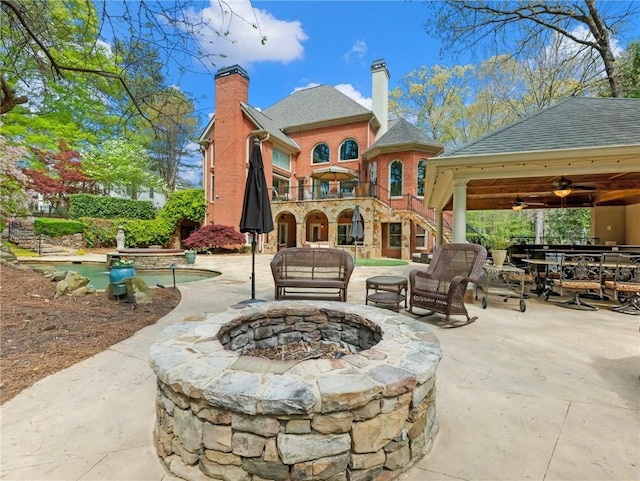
{"type": "Point", "coordinates": [380, 262]}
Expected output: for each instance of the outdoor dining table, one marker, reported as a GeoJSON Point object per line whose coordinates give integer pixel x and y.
{"type": "Point", "coordinates": [543, 288]}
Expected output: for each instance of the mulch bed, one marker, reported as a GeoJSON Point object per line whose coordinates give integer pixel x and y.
{"type": "Point", "coordinates": [40, 335]}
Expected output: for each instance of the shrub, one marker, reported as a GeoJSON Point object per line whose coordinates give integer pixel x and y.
{"type": "Point", "coordinates": [185, 204]}
{"type": "Point", "coordinates": [102, 207]}
{"type": "Point", "coordinates": [100, 232]}
{"type": "Point", "coordinates": [145, 233]}
{"type": "Point", "coordinates": [57, 227]}
{"type": "Point", "coordinates": [214, 237]}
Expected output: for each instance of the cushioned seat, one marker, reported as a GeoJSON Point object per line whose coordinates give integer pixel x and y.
{"type": "Point", "coordinates": [441, 287]}
{"type": "Point", "coordinates": [626, 284]}
{"type": "Point", "coordinates": [580, 272]}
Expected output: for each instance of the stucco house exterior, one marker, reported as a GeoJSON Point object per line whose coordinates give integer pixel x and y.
{"type": "Point", "coordinates": [324, 154]}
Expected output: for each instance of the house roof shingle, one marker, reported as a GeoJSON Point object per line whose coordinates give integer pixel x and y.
{"type": "Point", "coordinates": [312, 105]}
{"type": "Point", "coordinates": [575, 122]}
{"type": "Point", "coordinates": [402, 132]}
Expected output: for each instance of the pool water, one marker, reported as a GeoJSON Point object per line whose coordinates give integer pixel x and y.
{"type": "Point", "coordinates": [99, 275]}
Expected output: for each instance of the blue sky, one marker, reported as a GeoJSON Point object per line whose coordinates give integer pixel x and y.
{"type": "Point", "coordinates": [319, 42]}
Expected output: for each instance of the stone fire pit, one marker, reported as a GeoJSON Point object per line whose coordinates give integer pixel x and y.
{"type": "Point", "coordinates": [224, 415]}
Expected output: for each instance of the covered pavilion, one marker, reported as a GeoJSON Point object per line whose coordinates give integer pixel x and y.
{"type": "Point", "coordinates": [594, 143]}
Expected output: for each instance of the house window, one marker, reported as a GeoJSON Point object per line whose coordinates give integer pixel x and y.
{"type": "Point", "coordinates": [344, 234]}
{"type": "Point", "coordinates": [395, 178]}
{"type": "Point", "coordinates": [422, 169]}
{"type": "Point", "coordinates": [280, 189]}
{"type": "Point", "coordinates": [213, 191]}
{"type": "Point", "coordinates": [281, 159]}
{"type": "Point", "coordinates": [421, 237]}
{"type": "Point", "coordinates": [151, 193]}
{"type": "Point", "coordinates": [321, 154]}
{"type": "Point", "coordinates": [395, 235]}
{"type": "Point", "coordinates": [349, 150]}
{"type": "Point", "coordinates": [212, 150]}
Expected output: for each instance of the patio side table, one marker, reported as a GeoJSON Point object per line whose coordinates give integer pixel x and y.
{"type": "Point", "coordinates": [387, 290]}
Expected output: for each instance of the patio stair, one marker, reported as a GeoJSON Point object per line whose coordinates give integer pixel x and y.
{"type": "Point", "coordinates": [413, 207]}
{"type": "Point", "coordinates": [22, 233]}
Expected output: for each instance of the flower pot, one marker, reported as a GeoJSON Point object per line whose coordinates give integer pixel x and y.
{"type": "Point", "coordinates": [190, 257]}
{"type": "Point", "coordinates": [119, 273]}
{"type": "Point", "coordinates": [498, 256]}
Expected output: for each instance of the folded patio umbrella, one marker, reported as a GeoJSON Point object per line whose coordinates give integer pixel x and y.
{"type": "Point", "coordinates": [256, 208]}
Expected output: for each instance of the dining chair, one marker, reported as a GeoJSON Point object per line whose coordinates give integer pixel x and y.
{"type": "Point", "coordinates": [580, 272]}
{"type": "Point", "coordinates": [626, 284]}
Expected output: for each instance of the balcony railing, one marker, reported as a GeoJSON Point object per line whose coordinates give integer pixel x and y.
{"type": "Point", "coordinates": [353, 189]}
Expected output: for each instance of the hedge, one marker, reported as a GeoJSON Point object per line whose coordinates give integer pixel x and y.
{"type": "Point", "coordinates": [57, 227]}
{"type": "Point", "coordinates": [102, 207]}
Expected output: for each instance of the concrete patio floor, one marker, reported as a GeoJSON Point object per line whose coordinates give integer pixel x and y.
{"type": "Point", "coordinates": [548, 394]}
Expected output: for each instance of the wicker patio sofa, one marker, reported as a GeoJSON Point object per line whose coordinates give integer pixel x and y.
{"type": "Point", "coordinates": [441, 287]}
{"type": "Point", "coordinates": [311, 273]}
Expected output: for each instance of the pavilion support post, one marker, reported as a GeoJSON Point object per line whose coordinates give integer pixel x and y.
{"type": "Point", "coordinates": [460, 211]}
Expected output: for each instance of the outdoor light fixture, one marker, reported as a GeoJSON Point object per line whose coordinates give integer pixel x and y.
{"type": "Point", "coordinates": [517, 206]}
{"type": "Point", "coordinates": [173, 271]}
{"type": "Point", "coordinates": [562, 192]}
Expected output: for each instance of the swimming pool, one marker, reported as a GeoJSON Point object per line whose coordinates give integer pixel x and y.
{"type": "Point", "coordinates": [99, 274]}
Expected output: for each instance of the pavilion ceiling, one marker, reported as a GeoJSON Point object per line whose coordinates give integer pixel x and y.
{"type": "Point", "coordinates": [622, 188]}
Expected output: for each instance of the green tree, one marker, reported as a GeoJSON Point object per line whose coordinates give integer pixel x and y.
{"type": "Point", "coordinates": [176, 124]}
{"type": "Point", "coordinates": [564, 226]}
{"type": "Point", "coordinates": [46, 43]}
{"type": "Point", "coordinates": [630, 68]}
{"type": "Point", "coordinates": [434, 98]}
{"type": "Point", "coordinates": [14, 192]}
{"type": "Point", "coordinates": [122, 166]}
{"type": "Point", "coordinates": [508, 26]}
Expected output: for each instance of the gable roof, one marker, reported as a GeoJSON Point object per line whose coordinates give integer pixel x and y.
{"type": "Point", "coordinates": [402, 135]}
{"type": "Point", "coordinates": [574, 122]}
{"type": "Point", "coordinates": [315, 105]}
{"type": "Point", "coordinates": [263, 122]}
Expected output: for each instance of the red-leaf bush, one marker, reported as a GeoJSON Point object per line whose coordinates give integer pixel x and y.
{"type": "Point", "coordinates": [215, 238]}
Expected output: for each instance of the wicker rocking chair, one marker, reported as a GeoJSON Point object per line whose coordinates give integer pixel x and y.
{"type": "Point", "coordinates": [441, 288]}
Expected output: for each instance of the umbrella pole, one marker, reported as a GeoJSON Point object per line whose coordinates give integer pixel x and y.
{"type": "Point", "coordinates": [253, 266]}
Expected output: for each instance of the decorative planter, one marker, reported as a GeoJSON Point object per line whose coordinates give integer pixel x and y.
{"type": "Point", "coordinates": [190, 257]}
{"type": "Point", "coordinates": [119, 273]}
{"type": "Point", "coordinates": [498, 256]}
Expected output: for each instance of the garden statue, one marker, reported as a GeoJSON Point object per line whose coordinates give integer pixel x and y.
{"type": "Point", "coordinates": [120, 238]}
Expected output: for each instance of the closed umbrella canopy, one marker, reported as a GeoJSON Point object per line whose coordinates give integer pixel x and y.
{"type": "Point", "coordinates": [256, 209]}
{"type": "Point", "coordinates": [334, 173]}
{"type": "Point", "coordinates": [357, 229]}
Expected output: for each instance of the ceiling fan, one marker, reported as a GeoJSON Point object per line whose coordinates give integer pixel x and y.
{"type": "Point", "coordinates": [564, 186]}
{"type": "Point", "coordinates": [518, 203]}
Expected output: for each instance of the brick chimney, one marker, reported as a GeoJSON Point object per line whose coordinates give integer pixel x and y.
{"type": "Point", "coordinates": [230, 137]}
{"type": "Point", "coordinates": [380, 94]}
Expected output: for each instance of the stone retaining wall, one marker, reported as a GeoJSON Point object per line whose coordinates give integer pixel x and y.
{"type": "Point", "coordinates": [149, 261]}
{"type": "Point", "coordinates": [224, 415]}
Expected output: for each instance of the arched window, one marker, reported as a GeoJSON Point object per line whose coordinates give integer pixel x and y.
{"type": "Point", "coordinates": [321, 154]}
{"type": "Point", "coordinates": [422, 169]}
{"type": "Point", "coordinates": [349, 150]}
{"type": "Point", "coordinates": [395, 178]}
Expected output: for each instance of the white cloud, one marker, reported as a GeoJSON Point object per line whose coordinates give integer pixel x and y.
{"type": "Point", "coordinates": [241, 43]}
{"type": "Point", "coordinates": [308, 86]}
{"type": "Point", "coordinates": [352, 93]}
{"type": "Point", "coordinates": [358, 51]}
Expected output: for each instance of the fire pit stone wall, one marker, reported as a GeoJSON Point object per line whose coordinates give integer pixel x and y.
{"type": "Point", "coordinates": [225, 415]}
